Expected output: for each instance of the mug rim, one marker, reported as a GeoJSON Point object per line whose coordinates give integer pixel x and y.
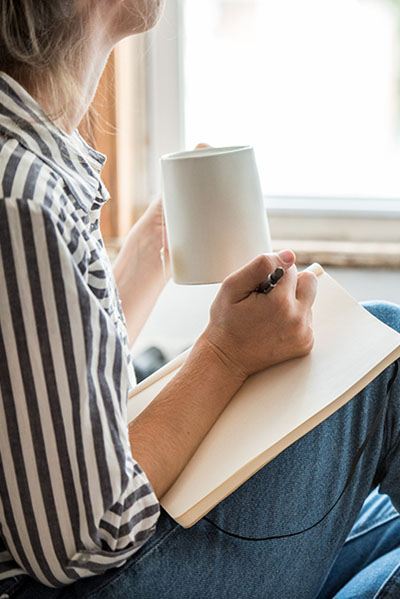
{"type": "Point", "coordinates": [204, 152]}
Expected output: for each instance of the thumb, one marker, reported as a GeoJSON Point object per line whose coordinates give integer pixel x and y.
{"type": "Point", "coordinates": [245, 280]}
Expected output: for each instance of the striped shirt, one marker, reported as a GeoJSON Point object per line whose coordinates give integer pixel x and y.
{"type": "Point", "coordinates": [73, 502]}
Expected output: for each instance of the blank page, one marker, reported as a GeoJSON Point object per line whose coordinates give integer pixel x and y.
{"type": "Point", "coordinates": [277, 406]}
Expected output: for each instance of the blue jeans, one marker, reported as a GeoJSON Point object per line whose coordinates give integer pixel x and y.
{"type": "Point", "coordinates": [352, 553]}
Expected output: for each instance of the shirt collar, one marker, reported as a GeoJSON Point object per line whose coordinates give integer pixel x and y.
{"type": "Point", "coordinates": [80, 166]}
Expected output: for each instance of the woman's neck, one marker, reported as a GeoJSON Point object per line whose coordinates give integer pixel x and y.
{"type": "Point", "coordinates": [86, 82]}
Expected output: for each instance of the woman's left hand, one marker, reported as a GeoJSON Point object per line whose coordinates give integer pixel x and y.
{"type": "Point", "coordinates": [152, 235]}
{"type": "Point", "coordinates": [142, 267]}
{"type": "Point", "coordinates": [138, 269]}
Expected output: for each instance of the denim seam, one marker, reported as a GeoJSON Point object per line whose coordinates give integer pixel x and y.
{"type": "Point", "coordinates": [387, 585]}
{"type": "Point", "coordinates": [395, 445]}
{"type": "Point", "coordinates": [135, 562]}
{"type": "Point", "coordinates": [371, 527]}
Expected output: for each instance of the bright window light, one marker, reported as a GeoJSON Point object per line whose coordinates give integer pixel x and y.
{"type": "Point", "coordinates": [313, 85]}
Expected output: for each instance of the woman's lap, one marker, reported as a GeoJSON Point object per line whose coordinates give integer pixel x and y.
{"type": "Point", "coordinates": [290, 494]}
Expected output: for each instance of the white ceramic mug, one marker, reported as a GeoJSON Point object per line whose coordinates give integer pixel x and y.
{"type": "Point", "coordinates": [214, 211]}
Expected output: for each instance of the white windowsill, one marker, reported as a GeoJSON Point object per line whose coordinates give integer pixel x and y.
{"type": "Point", "coordinates": [349, 207]}
{"type": "Point", "coordinates": [352, 220]}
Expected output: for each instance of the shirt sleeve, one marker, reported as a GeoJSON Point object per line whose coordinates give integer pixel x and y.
{"type": "Point", "coordinates": [73, 502]}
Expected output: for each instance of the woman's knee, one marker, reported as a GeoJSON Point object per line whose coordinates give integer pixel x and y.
{"type": "Point", "coordinates": [388, 312]}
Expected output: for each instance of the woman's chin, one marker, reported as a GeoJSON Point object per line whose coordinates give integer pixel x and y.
{"type": "Point", "coordinates": [143, 18]}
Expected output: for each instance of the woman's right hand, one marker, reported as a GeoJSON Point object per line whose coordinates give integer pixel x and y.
{"type": "Point", "coordinates": [249, 331]}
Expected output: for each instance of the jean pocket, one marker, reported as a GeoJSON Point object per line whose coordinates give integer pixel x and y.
{"type": "Point", "coordinates": [11, 586]}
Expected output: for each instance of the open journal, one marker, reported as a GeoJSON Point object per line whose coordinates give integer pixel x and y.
{"type": "Point", "coordinates": [277, 406]}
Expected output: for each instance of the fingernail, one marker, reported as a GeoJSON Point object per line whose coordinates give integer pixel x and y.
{"type": "Point", "coordinates": [286, 256]}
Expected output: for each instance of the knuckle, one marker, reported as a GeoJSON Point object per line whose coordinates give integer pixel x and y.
{"type": "Point", "coordinates": [262, 261]}
{"type": "Point", "coordinates": [228, 284]}
{"type": "Point", "coordinates": [310, 279]}
{"type": "Point", "coordinates": [226, 293]}
{"type": "Point", "coordinates": [297, 322]}
{"type": "Point", "coordinates": [308, 276]}
{"type": "Point", "coordinates": [286, 307]}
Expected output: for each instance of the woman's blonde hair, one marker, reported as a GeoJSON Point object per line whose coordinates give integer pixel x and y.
{"type": "Point", "coordinates": [39, 42]}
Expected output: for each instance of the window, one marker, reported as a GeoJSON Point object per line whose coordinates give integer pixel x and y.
{"type": "Point", "coordinates": [312, 85]}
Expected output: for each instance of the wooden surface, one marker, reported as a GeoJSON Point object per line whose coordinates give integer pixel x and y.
{"type": "Point", "coordinates": [343, 253]}
{"type": "Point", "coordinates": [111, 127]}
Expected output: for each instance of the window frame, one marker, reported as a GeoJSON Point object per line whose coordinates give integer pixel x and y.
{"type": "Point", "coordinates": [338, 219]}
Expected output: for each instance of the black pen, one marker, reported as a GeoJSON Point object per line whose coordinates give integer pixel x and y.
{"type": "Point", "coordinates": [272, 281]}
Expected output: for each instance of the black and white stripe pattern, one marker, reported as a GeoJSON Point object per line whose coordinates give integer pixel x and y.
{"type": "Point", "coordinates": [73, 502]}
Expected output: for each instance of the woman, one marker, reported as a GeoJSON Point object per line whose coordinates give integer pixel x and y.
{"type": "Point", "coordinates": [79, 511]}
